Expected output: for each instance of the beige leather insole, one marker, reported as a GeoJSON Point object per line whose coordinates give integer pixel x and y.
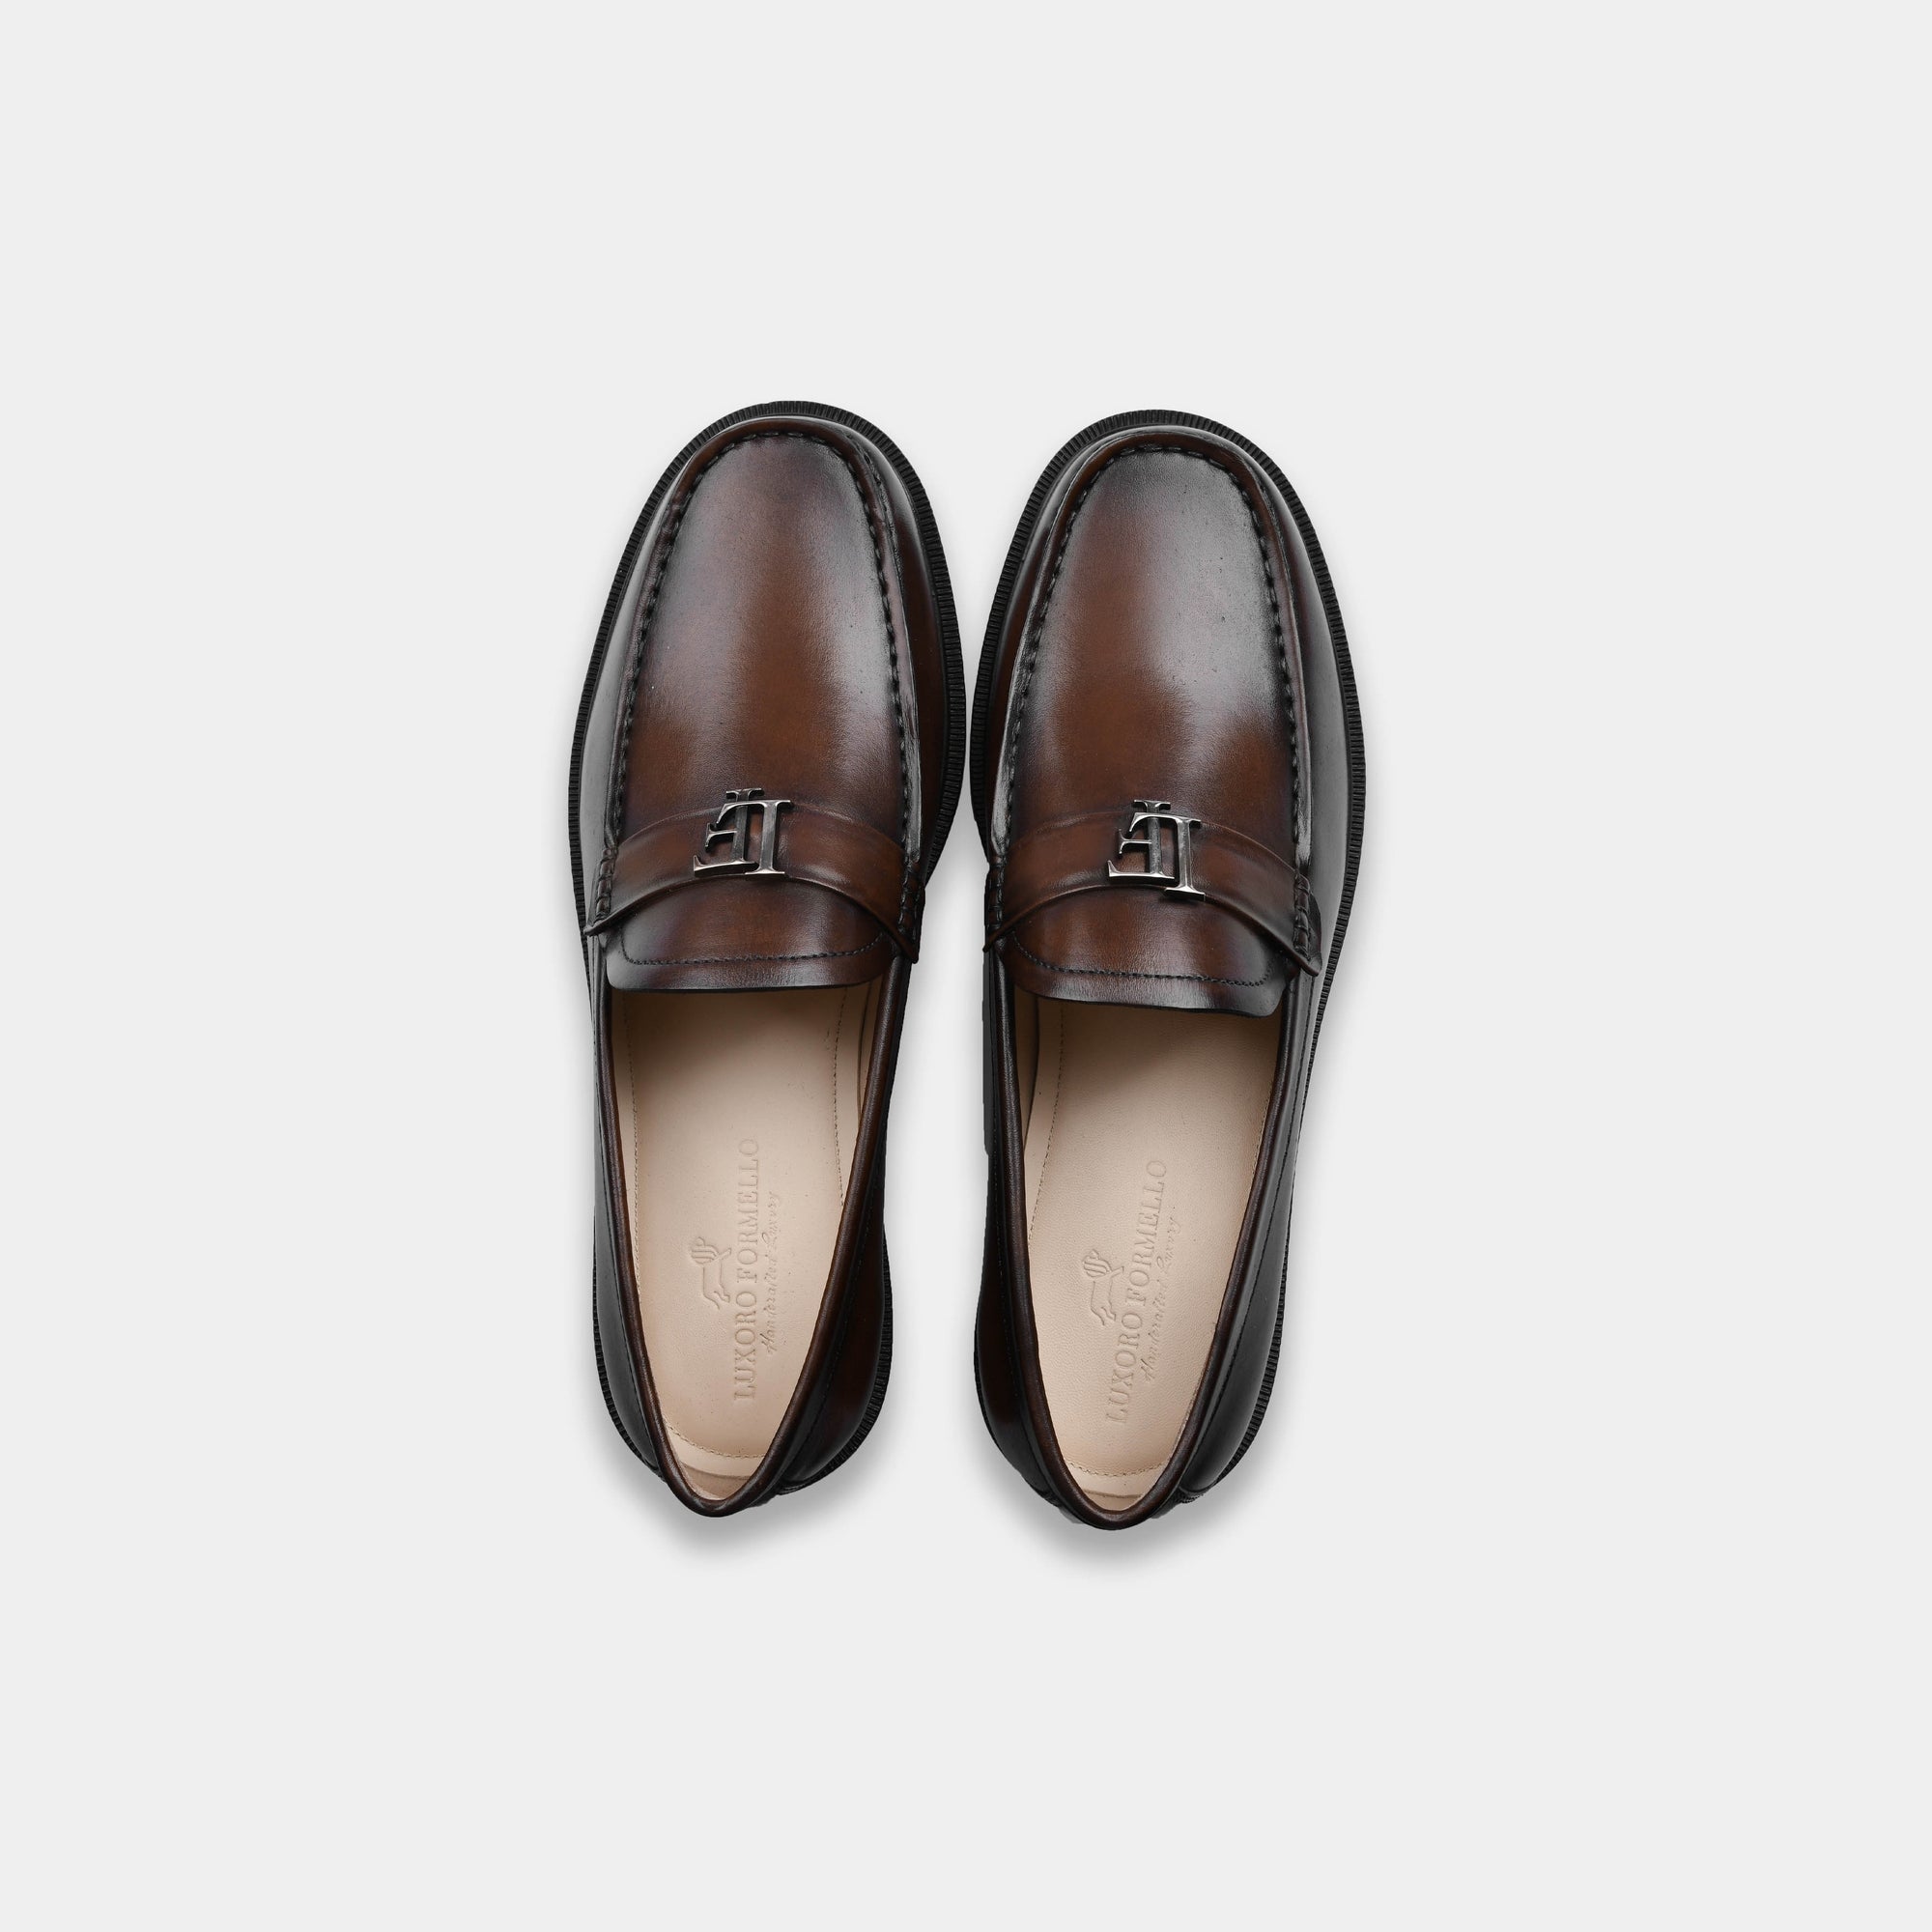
{"type": "Point", "coordinates": [1140, 1141]}
{"type": "Point", "coordinates": [737, 1113]}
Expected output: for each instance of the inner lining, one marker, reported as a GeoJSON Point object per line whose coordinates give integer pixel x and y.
{"type": "Point", "coordinates": [738, 1115]}
{"type": "Point", "coordinates": [1143, 1126]}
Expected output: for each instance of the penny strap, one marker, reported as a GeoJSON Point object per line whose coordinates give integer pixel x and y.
{"type": "Point", "coordinates": [1136, 851]}
{"type": "Point", "coordinates": [754, 839]}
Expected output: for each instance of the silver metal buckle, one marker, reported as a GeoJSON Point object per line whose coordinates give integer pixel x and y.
{"type": "Point", "coordinates": [734, 824]}
{"type": "Point", "coordinates": [1155, 813]}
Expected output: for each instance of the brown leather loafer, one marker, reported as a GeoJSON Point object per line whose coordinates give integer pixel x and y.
{"type": "Point", "coordinates": [767, 759]}
{"type": "Point", "coordinates": [1167, 773]}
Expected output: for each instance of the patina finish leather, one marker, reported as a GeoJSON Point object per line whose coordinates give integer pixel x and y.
{"type": "Point", "coordinates": [781, 625]}
{"type": "Point", "coordinates": [1165, 663]}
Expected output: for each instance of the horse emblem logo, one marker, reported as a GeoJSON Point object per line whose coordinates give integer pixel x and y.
{"type": "Point", "coordinates": [710, 1262]}
{"type": "Point", "coordinates": [1102, 1280]}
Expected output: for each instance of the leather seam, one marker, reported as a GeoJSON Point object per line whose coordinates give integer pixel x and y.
{"type": "Point", "coordinates": [732, 1456]}
{"type": "Point", "coordinates": [1153, 1469]}
{"type": "Point", "coordinates": [633, 674]}
{"type": "Point", "coordinates": [1046, 1152]}
{"type": "Point", "coordinates": [838, 1035]}
{"type": "Point", "coordinates": [634, 671]}
{"type": "Point", "coordinates": [1032, 656]}
{"type": "Point", "coordinates": [1114, 973]}
{"type": "Point", "coordinates": [754, 958]}
{"type": "Point", "coordinates": [893, 665]}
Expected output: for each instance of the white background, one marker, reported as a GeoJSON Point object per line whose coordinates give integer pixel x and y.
{"type": "Point", "coordinates": [1579, 1576]}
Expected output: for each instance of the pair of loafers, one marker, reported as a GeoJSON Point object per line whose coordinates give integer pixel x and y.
{"type": "Point", "coordinates": [1165, 764]}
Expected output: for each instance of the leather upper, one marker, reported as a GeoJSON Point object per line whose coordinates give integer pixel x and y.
{"type": "Point", "coordinates": [1156, 656]}
{"type": "Point", "coordinates": [773, 651]}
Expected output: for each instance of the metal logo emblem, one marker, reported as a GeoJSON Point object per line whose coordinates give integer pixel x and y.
{"type": "Point", "coordinates": [1155, 813]}
{"type": "Point", "coordinates": [734, 827]}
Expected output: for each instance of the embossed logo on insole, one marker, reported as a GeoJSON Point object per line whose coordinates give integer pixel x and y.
{"type": "Point", "coordinates": [741, 1276]}
{"type": "Point", "coordinates": [1103, 1279]}
{"type": "Point", "coordinates": [1129, 1300]}
{"type": "Point", "coordinates": [710, 1274]}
